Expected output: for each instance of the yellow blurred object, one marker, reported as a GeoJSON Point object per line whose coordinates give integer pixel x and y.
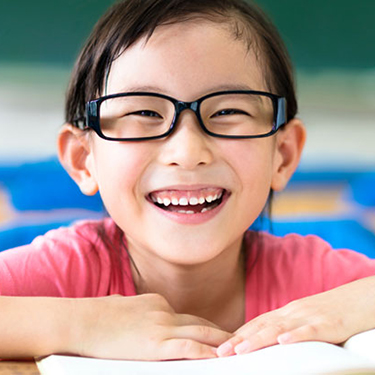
{"type": "Point", "coordinates": [309, 201]}
{"type": "Point", "coordinates": [6, 212]}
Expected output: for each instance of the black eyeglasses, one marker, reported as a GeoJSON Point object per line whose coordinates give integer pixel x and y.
{"type": "Point", "coordinates": [144, 116]}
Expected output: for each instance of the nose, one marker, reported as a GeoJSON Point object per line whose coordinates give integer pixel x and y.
{"type": "Point", "coordinates": [188, 146]}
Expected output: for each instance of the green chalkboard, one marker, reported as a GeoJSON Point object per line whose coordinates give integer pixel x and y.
{"type": "Point", "coordinates": [326, 33]}
{"type": "Point", "coordinates": [46, 31]}
{"type": "Point", "coordinates": [319, 33]}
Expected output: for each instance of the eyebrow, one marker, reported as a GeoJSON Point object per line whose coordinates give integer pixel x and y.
{"type": "Point", "coordinates": [159, 90]}
{"type": "Point", "coordinates": [233, 87]}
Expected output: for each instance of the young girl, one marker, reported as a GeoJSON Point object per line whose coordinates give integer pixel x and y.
{"type": "Point", "coordinates": [182, 114]}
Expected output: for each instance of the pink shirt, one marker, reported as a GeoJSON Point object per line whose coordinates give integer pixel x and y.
{"type": "Point", "coordinates": [75, 262]}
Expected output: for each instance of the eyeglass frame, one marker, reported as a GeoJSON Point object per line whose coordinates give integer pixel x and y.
{"type": "Point", "coordinates": [92, 118]}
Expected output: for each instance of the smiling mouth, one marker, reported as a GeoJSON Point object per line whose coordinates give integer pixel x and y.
{"type": "Point", "coordinates": [188, 202]}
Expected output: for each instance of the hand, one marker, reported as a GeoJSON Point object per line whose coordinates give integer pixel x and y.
{"type": "Point", "coordinates": [143, 327]}
{"type": "Point", "coordinates": [332, 316]}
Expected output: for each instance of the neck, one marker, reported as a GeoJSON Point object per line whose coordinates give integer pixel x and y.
{"type": "Point", "coordinates": [213, 290]}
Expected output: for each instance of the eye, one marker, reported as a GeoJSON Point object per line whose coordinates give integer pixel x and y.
{"type": "Point", "coordinates": [146, 113]}
{"type": "Point", "coordinates": [229, 111]}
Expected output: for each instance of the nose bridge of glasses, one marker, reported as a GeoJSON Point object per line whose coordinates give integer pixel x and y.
{"type": "Point", "coordinates": [182, 106]}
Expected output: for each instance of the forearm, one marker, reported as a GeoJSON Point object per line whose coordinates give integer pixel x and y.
{"type": "Point", "coordinates": [36, 326]}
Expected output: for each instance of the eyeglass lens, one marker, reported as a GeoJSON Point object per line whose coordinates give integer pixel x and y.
{"type": "Point", "coordinates": [150, 116]}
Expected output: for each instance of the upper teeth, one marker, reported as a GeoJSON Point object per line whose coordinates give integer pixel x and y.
{"type": "Point", "coordinates": [193, 201]}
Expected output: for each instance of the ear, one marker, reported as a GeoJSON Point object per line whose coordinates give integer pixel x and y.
{"type": "Point", "coordinates": [290, 141]}
{"type": "Point", "coordinates": [76, 157]}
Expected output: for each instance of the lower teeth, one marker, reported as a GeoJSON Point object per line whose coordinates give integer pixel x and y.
{"type": "Point", "coordinates": [192, 212]}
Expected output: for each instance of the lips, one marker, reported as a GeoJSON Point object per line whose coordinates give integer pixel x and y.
{"type": "Point", "coordinates": [188, 201]}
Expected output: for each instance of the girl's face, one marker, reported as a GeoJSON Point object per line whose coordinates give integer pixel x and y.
{"type": "Point", "coordinates": [185, 61]}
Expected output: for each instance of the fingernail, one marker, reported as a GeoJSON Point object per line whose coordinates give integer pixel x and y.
{"type": "Point", "coordinates": [243, 347]}
{"type": "Point", "coordinates": [284, 338]}
{"type": "Point", "coordinates": [214, 352]}
{"type": "Point", "coordinates": [224, 349]}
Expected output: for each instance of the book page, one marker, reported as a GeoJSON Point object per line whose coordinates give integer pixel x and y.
{"type": "Point", "coordinates": [362, 344]}
{"type": "Point", "coordinates": [302, 358]}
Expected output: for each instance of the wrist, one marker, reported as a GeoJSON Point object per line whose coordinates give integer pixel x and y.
{"type": "Point", "coordinates": [66, 326]}
{"type": "Point", "coordinates": [77, 316]}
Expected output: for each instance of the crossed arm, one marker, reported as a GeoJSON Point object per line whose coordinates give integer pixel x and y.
{"type": "Point", "coordinates": [146, 327]}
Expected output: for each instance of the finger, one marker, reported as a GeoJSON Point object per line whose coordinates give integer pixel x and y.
{"type": "Point", "coordinates": [186, 349]}
{"type": "Point", "coordinates": [308, 332]}
{"type": "Point", "coordinates": [261, 339]}
{"type": "Point", "coordinates": [191, 320]}
{"type": "Point", "coordinates": [259, 323]}
{"type": "Point", "coordinates": [290, 337]}
{"type": "Point", "coordinates": [252, 337]}
{"type": "Point", "coordinates": [203, 334]}
{"type": "Point", "coordinates": [227, 348]}
{"type": "Point", "coordinates": [247, 331]}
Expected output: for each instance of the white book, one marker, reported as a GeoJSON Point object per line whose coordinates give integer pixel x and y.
{"type": "Point", "coordinates": [356, 356]}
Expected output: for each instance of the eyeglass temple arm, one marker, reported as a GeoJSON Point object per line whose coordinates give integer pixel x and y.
{"type": "Point", "coordinates": [80, 123]}
{"type": "Point", "coordinates": [281, 113]}
{"type": "Point", "coordinates": [91, 110]}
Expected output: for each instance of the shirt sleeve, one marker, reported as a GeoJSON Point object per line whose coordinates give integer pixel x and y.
{"type": "Point", "coordinates": [62, 263]}
{"type": "Point", "coordinates": [323, 267]}
{"type": "Point", "coordinates": [283, 269]}
{"type": "Point", "coordinates": [344, 266]}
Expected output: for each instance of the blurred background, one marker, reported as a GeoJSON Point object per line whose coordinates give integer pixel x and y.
{"type": "Point", "coordinates": [331, 43]}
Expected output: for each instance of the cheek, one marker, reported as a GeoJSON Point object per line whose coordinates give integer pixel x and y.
{"type": "Point", "coordinates": [119, 167]}
{"type": "Point", "coordinates": [252, 161]}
